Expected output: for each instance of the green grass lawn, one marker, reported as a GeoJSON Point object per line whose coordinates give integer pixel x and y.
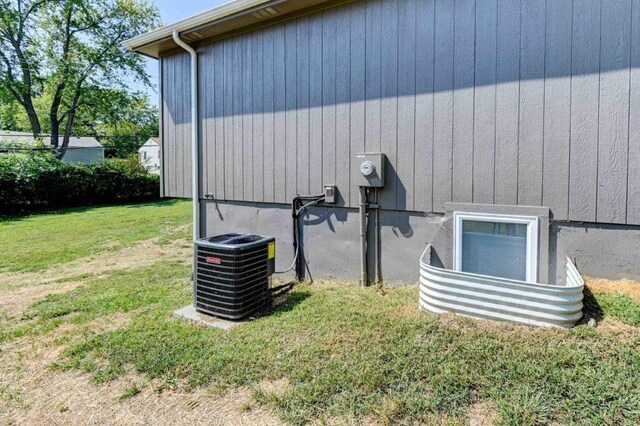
{"type": "Point", "coordinates": [35, 242]}
{"type": "Point", "coordinates": [347, 353]}
{"type": "Point", "coordinates": [350, 352]}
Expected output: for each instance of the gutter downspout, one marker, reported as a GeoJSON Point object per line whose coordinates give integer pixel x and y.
{"type": "Point", "coordinates": [195, 193]}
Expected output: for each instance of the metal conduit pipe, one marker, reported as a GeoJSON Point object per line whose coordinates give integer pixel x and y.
{"type": "Point", "coordinates": [362, 203]}
{"type": "Point", "coordinates": [378, 250]}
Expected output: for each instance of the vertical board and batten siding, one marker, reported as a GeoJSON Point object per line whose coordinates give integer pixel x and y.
{"type": "Point", "coordinates": [463, 100]}
{"type": "Point", "coordinates": [507, 103]}
{"type": "Point", "coordinates": [302, 93]}
{"type": "Point", "coordinates": [442, 151]}
{"type": "Point", "coordinates": [531, 133]}
{"type": "Point", "coordinates": [527, 102]}
{"type": "Point", "coordinates": [557, 107]}
{"type": "Point", "coordinates": [484, 115]}
{"type": "Point", "coordinates": [633, 178]}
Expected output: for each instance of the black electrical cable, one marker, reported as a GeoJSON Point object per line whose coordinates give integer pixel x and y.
{"type": "Point", "coordinates": [296, 213]}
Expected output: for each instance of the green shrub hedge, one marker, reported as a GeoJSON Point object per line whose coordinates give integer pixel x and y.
{"type": "Point", "coordinates": [37, 180]}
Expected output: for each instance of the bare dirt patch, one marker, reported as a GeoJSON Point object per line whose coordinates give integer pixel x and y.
{"type": "Point", "coordinates": [33, 393]}
{"type": "Point", "coordinates": [16, 301]}
{"type": "Point", "coordinates": [625, 287]}
{"type": "Point", "coordinates": [275, 387]}
{"type": "Point", "coordinates": [482, 414]}
{"type": "Point", "coordinates": [20, 290]}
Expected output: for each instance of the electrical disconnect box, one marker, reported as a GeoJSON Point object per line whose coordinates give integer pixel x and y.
{"type": "Point", "coordinates": [368, 170]}
{"type": "Point", "coordinates": [330, 194]}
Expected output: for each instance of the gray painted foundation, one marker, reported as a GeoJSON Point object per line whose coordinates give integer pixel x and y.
{"type": "Point", "coordinates": [330, 238]}
{"type": "Point", "coordinates": [604, 251]}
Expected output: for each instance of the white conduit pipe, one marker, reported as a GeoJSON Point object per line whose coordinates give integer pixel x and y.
{"type": "Point", "coordinates": [195, 193]}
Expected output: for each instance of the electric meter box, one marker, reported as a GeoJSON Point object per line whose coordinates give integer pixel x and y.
{"type": "Point", "coordinates": [368, 170]}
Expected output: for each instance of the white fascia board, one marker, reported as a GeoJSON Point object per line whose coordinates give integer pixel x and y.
{"type": "Point", "coordinates": [192, 22]}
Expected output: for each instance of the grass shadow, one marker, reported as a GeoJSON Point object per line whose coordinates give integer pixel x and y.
{"type": "Point", "coordinates": [286, 302]}
{"type": "Point", "coordinates": [591, 307]}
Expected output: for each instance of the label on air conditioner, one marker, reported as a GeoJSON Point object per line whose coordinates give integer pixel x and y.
{"type": "Point", "coordinates": [272, 251]}
{"type": "Point", "coordinates": [214, 260]}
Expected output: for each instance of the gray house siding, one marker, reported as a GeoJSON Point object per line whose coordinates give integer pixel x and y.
{"type": "Point", "coordinates": [494, 101]}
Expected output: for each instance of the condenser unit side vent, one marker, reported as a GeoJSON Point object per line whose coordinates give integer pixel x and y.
{"type": "Point", "coordinates": [233, 274]}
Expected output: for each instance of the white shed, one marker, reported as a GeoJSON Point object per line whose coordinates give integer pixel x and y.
{"type": "Point", "coordinates": [82, 149]}
{"type": "Point", "coordinates": [149, 155]}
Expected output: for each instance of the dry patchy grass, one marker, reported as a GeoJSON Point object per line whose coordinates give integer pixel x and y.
{"type": "Point", "coordinates": [91, 341]}
{"type": "Point", "coordinates": [624, 287]}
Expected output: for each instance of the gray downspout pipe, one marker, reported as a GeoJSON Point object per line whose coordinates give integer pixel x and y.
{"type": "Point", "coordinates": [195, 192]}
{"type": "Point", "coordinates": [364, 279]}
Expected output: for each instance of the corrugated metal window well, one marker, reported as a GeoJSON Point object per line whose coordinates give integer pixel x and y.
{"type": "Point", "coordinates": [494, 275]}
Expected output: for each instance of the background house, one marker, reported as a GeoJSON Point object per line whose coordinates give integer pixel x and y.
{"type": "Point", "coordinates": [83, 149]}
{"type": "Point", "coordinates": [524, 115]}
{"type": "Point", "coordinates": [149, 155]}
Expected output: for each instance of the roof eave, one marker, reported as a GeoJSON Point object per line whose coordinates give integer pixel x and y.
{"type": "Point", "coordinates": [143, 43]}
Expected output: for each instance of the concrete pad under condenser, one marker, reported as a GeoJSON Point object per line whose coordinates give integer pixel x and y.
{"type": "Point", "coordinates": [189, 313]}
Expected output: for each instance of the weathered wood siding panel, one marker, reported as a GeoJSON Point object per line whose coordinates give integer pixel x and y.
{"type": "Point", "coordinates": [315, 103]}
{"type": "Point", "coordinates": [507, 102]}
{"type": "Point", "coordinates": [267, 110]}
{"type": "Point", "coordinates": [343, 122]}
{"type": "Point", "coordinates": [237, 120]}
{"type": "Point", "coordinates": [530, 102]}
{"type": "Point", "coordinates": [247, 118]}
{"type": "Point", "coordinates": [463, 100]}
{"type": "Point", "coordinates": [302, 93]}
{"type": "Point", "coordinates": [184, 166]}
{"type": "Point", "coordinates": [258, 121]}
{"type": "Point", "coordinates": [389, 103]}
{"type": "Point", "coordinates": [357, 93]}
{"type": "Point", "coordinates": [633, 178]}
{"type": "Point", "coordinates": [279, 90]}
{"type": "Point", "coordinates": [176, 115]}
{"type": "Point", "coordinates": [227, 119]}
{"type": "Point", "coordinates": [484, 126]}
{"type": "Point", "coordinates": [585, 85]}
{"type": "Point", "coordinates": [557, 109]}
{"type": "Point", "coordinates": [613, 129]}
{"type": "Point", "coordinates": [443, 104]}
{"type": "Point", "coordinates": [291, 111]}
{"type": "Point", "coordinates": [329, 97]}
{"type": "Point", "coordinates": [405, 163]}
{"type": "Point", "coordinates": [425, 67]}
{"type": "Point", "coordinates": [531, 131]}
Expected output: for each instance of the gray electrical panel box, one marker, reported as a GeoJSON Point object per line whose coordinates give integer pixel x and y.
{"type": "Point", "coordinates": [330, 193]}
{"type": "Point", "coordinates": [368, 170]}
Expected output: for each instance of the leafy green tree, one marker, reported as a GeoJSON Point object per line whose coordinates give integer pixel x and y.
{"type": "Point", "coordinates": [121, 121]}
{"type": "Point", "coordinates": [60, 52]}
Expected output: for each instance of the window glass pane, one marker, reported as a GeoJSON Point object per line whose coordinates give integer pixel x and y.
{"type": "Point", "coordinates": [494, 248]}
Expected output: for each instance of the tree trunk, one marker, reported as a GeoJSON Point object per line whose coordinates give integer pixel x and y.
{"type": "Point", "coordinates": [31, 113]}
{"type": "Point", "coordinates": [71, 115]}
{"type": "Point", "coordinates": [55, 131]}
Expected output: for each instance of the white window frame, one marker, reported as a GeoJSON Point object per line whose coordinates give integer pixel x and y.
{"type": "Point", "coordinates": [532, 237]}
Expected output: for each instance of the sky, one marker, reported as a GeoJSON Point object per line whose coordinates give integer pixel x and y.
{"type": "Point", "coordinates": [170, 12]}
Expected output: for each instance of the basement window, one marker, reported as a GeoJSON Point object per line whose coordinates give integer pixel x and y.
{"type": "Point", "coordinates": [504, 246]}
